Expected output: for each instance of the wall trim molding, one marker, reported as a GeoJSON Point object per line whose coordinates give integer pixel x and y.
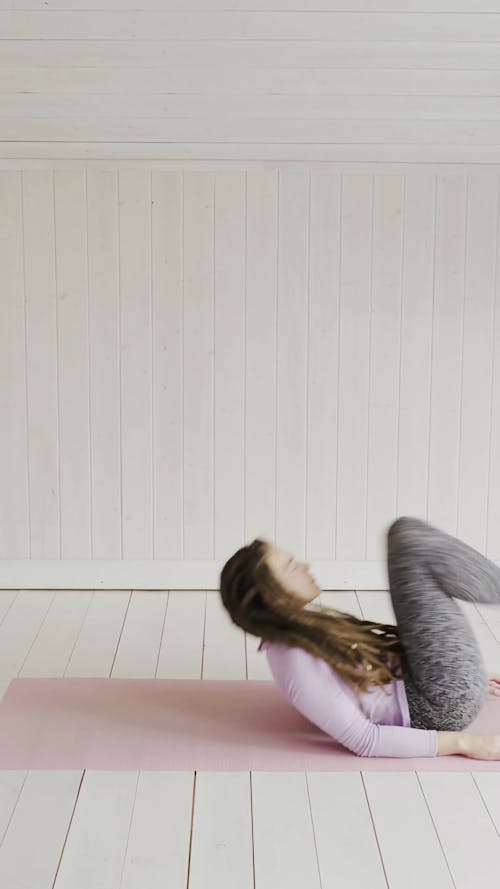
{"type": "Point", "coordinates": [161, 574]}
{"type": "Point", "coordinates": [122, 156]}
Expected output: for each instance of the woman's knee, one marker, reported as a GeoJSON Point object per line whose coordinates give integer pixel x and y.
{"type": "Point", "coordinates": [408, 530]}
{"type": "Point", "coordinates": [402, 523]}
{"type": "Point", "coordinates": [398, 530]}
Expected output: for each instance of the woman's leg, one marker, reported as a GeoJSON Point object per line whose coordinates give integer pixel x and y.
{"type": "Point", "coordinates": [428, 569]}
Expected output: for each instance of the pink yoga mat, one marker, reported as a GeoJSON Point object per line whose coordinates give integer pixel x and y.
{"type": "Point", "coordinates": [183, 725]}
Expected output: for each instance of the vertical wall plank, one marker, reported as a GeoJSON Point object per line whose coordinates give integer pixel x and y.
{"type": "Point", "coordinates": [42, 364]}
{"type": "Point", "coordinates": [260, 353]}
{"type": "Point", "coordinates": [416, 345]}
{"type": "Point", "coordinates": [292, 326]}
{"type": "Point", "coordinates": [136, 358]}
{"type": "Point", "coordinates": [73, 364]}
{"type": "Point", "coordinates": [477, 360]}
{"type": "Point", "coordinates": [447, 356]}
{"type": "Point", "coordinates": [493, 505]}
{"type": "Point", "coordinates": [323, 364]}
{"type": "Point", "coordinates": [229, 357]}
{"type": "Point", "coordinates": [198, 345]}
{"type": "Point", "coordinates": [354, 366]}
{"type": "Point", "coordinates": [168, 435]}
{"type": "Point", "coordinates": [14, 492]}
{"type": "Point", "coordinates": [104, 321]}
{"type": "Point", "coordinates": [385, 358]}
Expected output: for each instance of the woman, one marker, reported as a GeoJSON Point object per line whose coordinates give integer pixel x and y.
{"type": "Point", "coordinates": [377, 689]}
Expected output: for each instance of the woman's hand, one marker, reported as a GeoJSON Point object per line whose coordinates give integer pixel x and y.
{"type": "Point", "coordinates": [478, 746]}
{"type": "Point", "coordinates": [494, 684]}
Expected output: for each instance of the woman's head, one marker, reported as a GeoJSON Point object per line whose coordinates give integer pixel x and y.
{"type": "Point", "coordinates": [293, 575]}
{"type": "Point", "coordinates": [266, 591]}
{"type": "Point", "coordinates": [263, 584]}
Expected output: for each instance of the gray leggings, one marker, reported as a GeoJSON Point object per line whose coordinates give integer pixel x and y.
{"type": "Point", "coordinates": [446, 682]}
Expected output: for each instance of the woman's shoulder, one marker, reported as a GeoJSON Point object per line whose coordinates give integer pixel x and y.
{"type": "Point", "coordinates": [290, 653]}
{"type": "Point", "coordinates": [279, 647]}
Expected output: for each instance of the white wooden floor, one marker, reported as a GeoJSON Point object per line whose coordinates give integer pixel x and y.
{"type": "Point", "coordinates": [284, 830]}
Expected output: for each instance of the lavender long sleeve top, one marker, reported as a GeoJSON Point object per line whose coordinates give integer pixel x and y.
{"type": "Point", "coordinates": [376, 725]}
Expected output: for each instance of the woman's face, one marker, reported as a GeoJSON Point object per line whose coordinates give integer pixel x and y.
{"type": "Point", "coordinates": [295, 576]}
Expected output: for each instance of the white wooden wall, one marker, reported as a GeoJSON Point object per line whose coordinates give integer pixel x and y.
{"type": "Point", "coordinates": [350, 80]}
{"type": "Point", "coordinates": [189, 359]}
{"type": "Point", "coordinates": [248, 284]}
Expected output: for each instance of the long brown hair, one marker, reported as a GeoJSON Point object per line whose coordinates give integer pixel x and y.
{"type": "Point", "coordinates": [362, 652]}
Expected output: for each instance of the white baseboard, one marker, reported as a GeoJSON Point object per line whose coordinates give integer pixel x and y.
{"type": "Point", "coordinates": [158, 574]}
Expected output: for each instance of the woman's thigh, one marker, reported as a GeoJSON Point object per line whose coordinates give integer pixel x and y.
{"type": "Point", "coordinates": [448, 713]}
{"type": "Point", "coordinates": [446, 682]}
